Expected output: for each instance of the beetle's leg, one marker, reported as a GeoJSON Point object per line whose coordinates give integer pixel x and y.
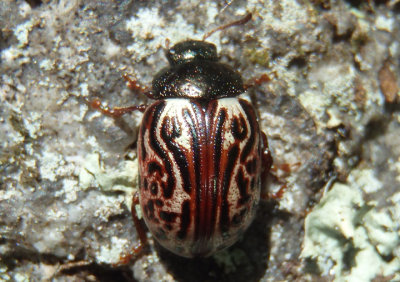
{"type": "Point", "coordinates": [256, 81]}
{"type": "Point", "coordinates": [266, 157]}
{"type": "Point", "coordinates": [266, 163]}
{"type": "Point", "coordinates": [134, 85]}
{"type": "Point", "coordinates": [137, 250]}
{"type": "Point", "coordinates": [286, 169]}
{"type": "Point", "coordinates": [271, 170]}
{"type": "Point", "coordinates": [138, 223]}
{"type": "Point", "coordinates": [278, 194]}
{"type": "Point", "coordinates": [117, 111]}
{"type": "Point", "coordinates": [68, 266]}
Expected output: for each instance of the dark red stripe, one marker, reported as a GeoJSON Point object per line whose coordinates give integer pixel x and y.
{"type": "Point", "coordinates": [226, 183]}
{"type": "Point", "coordinates": [196, 124]}
{"type": "Point", "coordinates": [217, 163]}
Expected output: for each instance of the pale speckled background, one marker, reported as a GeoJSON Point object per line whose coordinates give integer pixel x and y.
{"type": "Point", "coordinates": [67, 173]}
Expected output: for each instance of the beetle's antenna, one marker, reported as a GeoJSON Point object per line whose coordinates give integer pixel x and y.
{"type": "Point", "coordinates": [244, 20]}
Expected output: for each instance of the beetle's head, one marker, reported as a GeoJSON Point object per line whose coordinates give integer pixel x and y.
{"type": "Point", "coordinates": [191, 50]}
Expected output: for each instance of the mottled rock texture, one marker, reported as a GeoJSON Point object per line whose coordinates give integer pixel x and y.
{"type": "Point", "coordinates": [67, 172]}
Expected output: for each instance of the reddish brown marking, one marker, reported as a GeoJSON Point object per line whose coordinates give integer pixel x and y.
{"type": "Point", "coordinates": [206, 166]}
{"type": "Point", "coordinates": [244, 20]}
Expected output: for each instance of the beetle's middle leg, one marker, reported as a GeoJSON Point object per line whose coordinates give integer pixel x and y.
{"type": "Point", "coordinates": [270, 169]}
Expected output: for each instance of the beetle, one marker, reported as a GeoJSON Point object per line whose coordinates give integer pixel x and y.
{"type": "Point", "coordinates": [201, 153]}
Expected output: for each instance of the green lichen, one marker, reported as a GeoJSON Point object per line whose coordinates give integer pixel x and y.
{"type": "Point", "coordinates": [351, 239]}
{"type": "Point", "coordinates": [119, 179]}
{"type": "Point", "coordinates": [259, 57]}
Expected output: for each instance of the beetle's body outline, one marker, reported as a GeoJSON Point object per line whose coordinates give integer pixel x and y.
{"type": "Point", "coordinates": [200, 167]}
{"type": "Point", "coordinates": [202, 155]}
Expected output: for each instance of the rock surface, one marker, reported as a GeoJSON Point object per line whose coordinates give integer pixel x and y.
{"type": "Point", "coordinates": [331, 110]}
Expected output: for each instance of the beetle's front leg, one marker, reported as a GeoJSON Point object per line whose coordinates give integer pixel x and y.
{"type": "Point", "coordinates": [136, 86]}
{"type": "Point", "coordinates": [264, 78]}
{"type": "Point", "coordinates": [116, 112]}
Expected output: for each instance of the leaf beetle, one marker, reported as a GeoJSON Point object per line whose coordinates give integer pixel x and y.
{"type": "Point", "coordinates": [202, 155]}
